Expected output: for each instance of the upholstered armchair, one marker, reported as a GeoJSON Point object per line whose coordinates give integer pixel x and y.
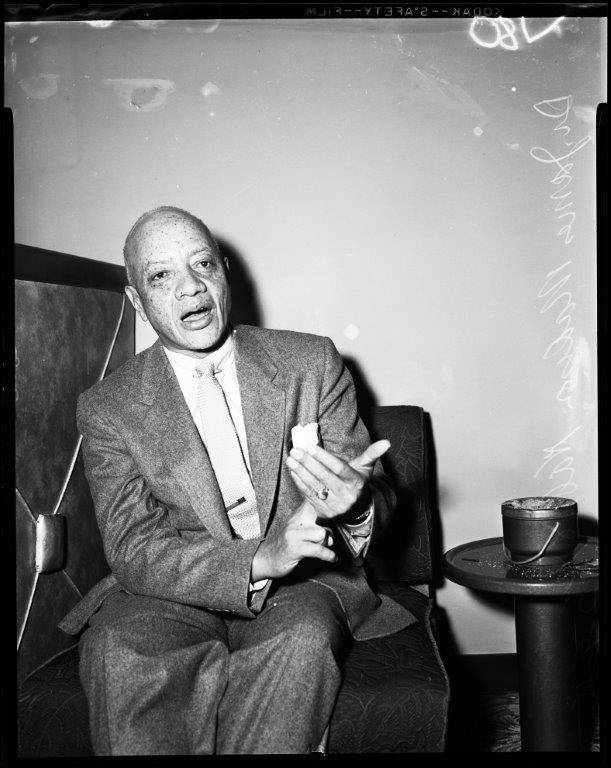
{"type": "Point", "coordinates": [73, 326]}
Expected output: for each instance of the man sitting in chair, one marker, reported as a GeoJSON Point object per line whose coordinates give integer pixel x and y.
{"type": "Point", "coordinates": [236, 556]}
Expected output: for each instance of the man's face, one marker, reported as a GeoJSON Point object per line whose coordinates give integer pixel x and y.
{"type": "Point", "coordinates": [181, 286]}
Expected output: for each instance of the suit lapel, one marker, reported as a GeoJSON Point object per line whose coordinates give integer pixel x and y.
{"type": "Point", "coordinates": [263, 406]}
{"type": "Point", "coordinates": [169, 419]}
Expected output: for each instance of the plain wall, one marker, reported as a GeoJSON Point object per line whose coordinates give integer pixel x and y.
{"type": "Point", "coordinates": [380, 182]}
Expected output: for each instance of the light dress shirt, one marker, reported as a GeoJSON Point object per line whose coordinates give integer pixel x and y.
{"type": "Point", "coordinates": [185, 368]}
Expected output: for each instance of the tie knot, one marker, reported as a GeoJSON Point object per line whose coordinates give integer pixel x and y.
{"type": "Point", "coordinates": [205, 370]}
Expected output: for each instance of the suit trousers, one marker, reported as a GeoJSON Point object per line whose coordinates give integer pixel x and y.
{"type": "Point", "coordinates": [163, 678]}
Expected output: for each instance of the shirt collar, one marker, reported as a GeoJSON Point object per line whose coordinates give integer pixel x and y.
{"type": "Point", "coordinates": [222, 358]}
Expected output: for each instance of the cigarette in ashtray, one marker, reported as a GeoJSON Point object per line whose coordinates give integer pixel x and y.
{"type": "Point", "coordinates": [305, 435]}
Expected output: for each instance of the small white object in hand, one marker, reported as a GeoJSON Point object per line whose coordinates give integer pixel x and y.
{"type": "Point", "coordinates": [304, 435]}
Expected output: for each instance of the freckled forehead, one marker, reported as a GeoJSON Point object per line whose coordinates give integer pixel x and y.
{"type": "Point", "coordinates": [171, 237]}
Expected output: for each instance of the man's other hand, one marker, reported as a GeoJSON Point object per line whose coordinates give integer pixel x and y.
{"type": "Point", "coordinates": [346, 483]}
{"type": "Point", "coordinates": [299, 538]}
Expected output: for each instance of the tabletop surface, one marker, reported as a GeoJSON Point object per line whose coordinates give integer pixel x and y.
{"type": "Point", "coordinates": [484, 565]}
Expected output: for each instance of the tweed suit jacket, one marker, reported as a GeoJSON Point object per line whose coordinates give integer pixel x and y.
{"type": "Point", "coordinates": [158, 505]}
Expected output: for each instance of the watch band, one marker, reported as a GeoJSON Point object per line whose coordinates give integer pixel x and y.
{"type": "Point", "coordinates": [360, 518]}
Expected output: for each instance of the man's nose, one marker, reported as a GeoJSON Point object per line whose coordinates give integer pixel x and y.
{"type": "Point", "coordinates": [189, 284]}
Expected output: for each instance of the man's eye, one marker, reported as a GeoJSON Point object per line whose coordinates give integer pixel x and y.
{"type": "Point", "coordinates": [204, 263]}
{"type": "Point", "coordinates": [158, 276]}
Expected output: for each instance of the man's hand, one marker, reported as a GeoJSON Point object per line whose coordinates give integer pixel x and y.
{"type": "Point", "coordinates": [347, 483]}
{"type": "Point", "coordinates": [299, 538]}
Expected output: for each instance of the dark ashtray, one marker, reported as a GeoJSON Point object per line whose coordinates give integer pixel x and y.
{"type": "Point", "coordinates": [540, 531]}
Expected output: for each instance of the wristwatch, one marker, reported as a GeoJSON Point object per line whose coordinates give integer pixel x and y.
{"type": "Point", "coordinates": [360, 517]}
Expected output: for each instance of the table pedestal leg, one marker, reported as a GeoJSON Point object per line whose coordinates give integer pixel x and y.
{"type": "Point", "coordinates": [546, 648]}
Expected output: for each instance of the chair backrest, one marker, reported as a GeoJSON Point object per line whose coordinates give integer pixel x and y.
{"type": "Point", "coordinates": [407, 549]}
{"type": "Point", "coordinates": [72, 326]}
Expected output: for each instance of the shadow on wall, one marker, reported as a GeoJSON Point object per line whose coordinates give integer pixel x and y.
{"type": "Point", "coordinates": [365, 396]}
{"type": "Point", "coordinates": [245, 306]}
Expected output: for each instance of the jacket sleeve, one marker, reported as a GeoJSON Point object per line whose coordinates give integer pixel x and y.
{"type": "Point", "coordinates": [344, 434]}
{"type": "Point", "coordinates": [145, 552]}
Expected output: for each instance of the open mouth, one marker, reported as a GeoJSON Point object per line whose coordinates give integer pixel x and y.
{"type": "Point", "coordinates": [196, 318]}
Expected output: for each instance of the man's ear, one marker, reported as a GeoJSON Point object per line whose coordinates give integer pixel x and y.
{"type": "Point", "coordinates": [132, 295]}
{"type": "Point", "coordinates": [226, 263]}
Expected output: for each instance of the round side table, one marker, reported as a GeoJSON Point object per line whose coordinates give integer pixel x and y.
{"type": "Point", "coordinates": [545, 631]}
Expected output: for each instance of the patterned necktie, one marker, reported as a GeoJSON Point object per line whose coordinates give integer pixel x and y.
{"type": "Point", "coordinates": [226, 456]}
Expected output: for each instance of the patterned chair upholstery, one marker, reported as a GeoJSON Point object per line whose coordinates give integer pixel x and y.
{"type": "Point", "coordinates": [73, 327]}
{"type": "Point", "coordinates": [395, 692]}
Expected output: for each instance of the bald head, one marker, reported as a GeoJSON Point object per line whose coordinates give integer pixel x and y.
{"type": "Point", "coordinates": [178, 280]}
{"type": "Point", "coordinates": [154, 220]}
